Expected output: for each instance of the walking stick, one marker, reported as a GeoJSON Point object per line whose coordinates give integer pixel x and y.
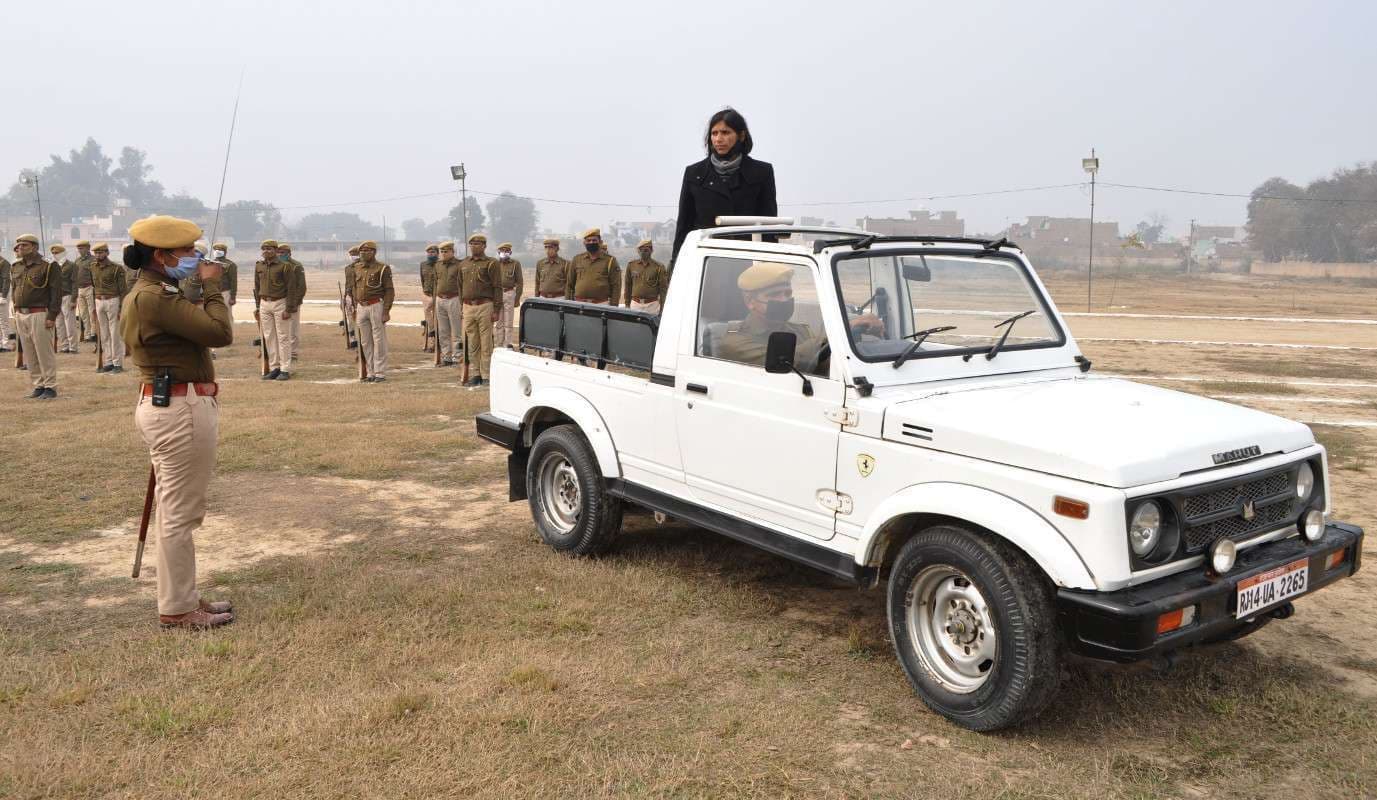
{"type": "Point", "coordinates": [143, 521]}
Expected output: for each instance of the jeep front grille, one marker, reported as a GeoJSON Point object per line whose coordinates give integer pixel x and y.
{"type": "Point", "coordinates": [1223, 511]}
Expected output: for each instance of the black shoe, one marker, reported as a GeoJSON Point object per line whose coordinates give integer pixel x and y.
{"type": "Point", "coordinates": [365, 380]}
{"type": "Point", "coordinates": [272, 376]}
{"type": "Point", "coordinates": [117, 368]}
{"type": "Point", "coordinates": [284, 376]}
{"type": "Point", "coordinates": [49, 394]}
{"type": "Point", "coordinates": [35, 394]}
{"type": "Point", "coordinates": [103, 368]}
{"type": "Point", "coordinates": [379, 378]}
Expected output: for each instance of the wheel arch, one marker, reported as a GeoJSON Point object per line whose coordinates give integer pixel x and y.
{"type": "Point", "coordinates": [921, 506]}
{"type": "Point", "coordinates": [556, 406]}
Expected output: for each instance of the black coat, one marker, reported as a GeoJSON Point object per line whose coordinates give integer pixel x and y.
{"type": "Point", "coordinates": [705, 196]}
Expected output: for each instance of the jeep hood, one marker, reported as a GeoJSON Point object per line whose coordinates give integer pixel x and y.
{"type": "Point", "coordinates": [1101, 430]}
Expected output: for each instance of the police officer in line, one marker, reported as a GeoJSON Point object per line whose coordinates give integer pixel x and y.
{"type": "Point", "coordinates": [449, 309]}
{"type": "Point", "coordinates": [169, 340]}
{"type": "Point", "coordinates": [509, 273]}
{"type": "Point", "coordinates": [86, 302]}
{"type": "Point", "coordinates": [109, 284]}
{"type": "Point", "coordinates": [6, 334]}
{"type": "Point", "coordinates": [37, 297]}
{"type": "Point", "coordinates": [349, 279]}
{"type": "Point", "coordinates": [594, 276]}
{"type": "Point", "coordinates": [284, 254]}
{"type": "Point", "coordinates": [373, 296]}
{"type": "Point", "coordinates": [646, 281]}
{"type": "Point", "coordinates": [427, 270]}
{"type": "Point", "coordinates": [480, 290]}
{"type": "Point", "coordinates": [67, 334]}
{"type": "Point", "coordinates": [229, 278]}
{"type": "Point", "coordinates": [552, 271]}
{"type": "Point", "coordinates": [274, 286]}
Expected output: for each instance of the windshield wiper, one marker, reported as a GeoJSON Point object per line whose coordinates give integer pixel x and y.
{"type": "Point", "coordinates": [913, 348]}
{"type": "Point", "coordinates": [999, 345]}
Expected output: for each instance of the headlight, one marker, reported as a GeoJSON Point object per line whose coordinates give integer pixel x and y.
{"type": "Point", "coordinates": [1222, 555]}
{"type": "Point", "coordinates": [1305, 482]}
{"type": "Point", "coordinates": [1312, 525]}
{"type": "Point", "coordinates": [1145, 529]}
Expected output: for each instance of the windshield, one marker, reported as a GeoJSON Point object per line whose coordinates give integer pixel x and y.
{"type": "Point", "coordinates": [914, 293]}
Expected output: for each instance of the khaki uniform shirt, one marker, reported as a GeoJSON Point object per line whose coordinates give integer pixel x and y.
{"type": "Point", "coordinates": [745, 342]}
{"type": "Point", "coordinates": [229, 281]}
{"type": "Point", "coordinates": [275, 281]}
{"type": "Point", "coordinates": [84, 270]}
{"type": "Point", "coordinates": [428, 269]}
{"type": "Point", "coordinates": [511, 277]}
{"type": "Point", "coordinates": [37, 284]}
{"type": "Point", "coordinates": [349, 279]}
{"type": "Point", "coordinates": [374, 282]}
{"type": "Point", "coordinates": [161, 329]}
{"type": "Point", "coordinates": [552, 274]}
{"type": "Point", "coordinates": [4, 279]}
{"type": "Point", "coordinates": [69, 271]}
{"type": "Point", "coordinates": [109, 278]}
{"type": "Point", "coordinates": [480, 279]}
{"type": "Point", "coordinates": [298, 292]}
{"type": "Point", "coordinates": [596, 278]}
{"type": "Point", "coordinates": [447, 277]}
{"type": "Point", "coordinates": [646, 281]}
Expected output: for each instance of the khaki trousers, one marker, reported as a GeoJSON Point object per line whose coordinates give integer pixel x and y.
{"type": "Point", "coordinates": [277, 333]}
{"type": "Point", "coordinates": [67, 332]}
{"type": "Point", "coordinates": [653, 307]}
{"type": "Point", "coordinates": [6, 328]}
{"type": "Point", "coordinates": [505, 333]}
{"type": "Point", "coordinates": [37, 341]}
{"type": "Point", "coordinates": [426, 300]}
{"type": "Point", "coordinates": [86, 303]}
{"type": "Point", "coordinates": [108, 328]}
{"type": "Point", "coordinates": [181, 443]}
{"type": "Point", "coordinates": [296, 335]}
{"type": "Point", "coordinates": [451, 314]}
{"type": "Point", "coordinates": [372, 338]}
{"type": "Point", "coordinates": [478, 338]}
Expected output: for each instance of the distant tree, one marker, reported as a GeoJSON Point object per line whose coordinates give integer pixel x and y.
{"type": "Point", "coordinates": [250, 220]}
{"type": "Point", "coordinates": [131, 180]}
{"type": "Point", "coordinates": [474, 212]}
{"type": "Point", "coordinates": [79, 185]}
{"type": "Point", "coordinates": [1148, 233]}
{"type": "Point", "coordinates": [438, 230]}
{"type": "Point", "coordinates": [1275, 219]}
{"type": "Point", "coordinates": [182, 204]}
{"type": "Point", "coordinates": [336, 226]}
{"type": "Point", "coordinates": [414, 228]}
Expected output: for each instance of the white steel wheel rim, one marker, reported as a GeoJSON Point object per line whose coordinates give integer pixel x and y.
{"type": "Point", "coordinates": [561, 496]}
{"type": "Point", "coordinates": [950, 627]}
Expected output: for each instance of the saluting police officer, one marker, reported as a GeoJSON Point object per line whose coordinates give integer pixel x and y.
{"type": "Point", "coordinates": [109, 282]}
{"type": "Point", "coordinates": [552, 271]}
{"type": "Point", "coordinates": [373, 296]}
{"type": "Point", "coordinates": [594, 276]}
{"type": "Point", "coordinates": [481, 291]}
{"type": "Point", "coordinates": [169, 340]}
{"type": "Point", "coordinates": [427, 269]}
{"type": "Point", "coordinates": [67, 334]}
{"type": "Point", "coordinates": [646, 280]}
{"type": "Point", "coordinates": [512, 281]}
{"type": "Point", "coordinates": [449, 309]}
{"type": "Point", "coordinates": [37, 302]}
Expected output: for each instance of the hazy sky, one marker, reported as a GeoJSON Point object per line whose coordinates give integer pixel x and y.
{"type": "Point", "coordinates": [606, 101]}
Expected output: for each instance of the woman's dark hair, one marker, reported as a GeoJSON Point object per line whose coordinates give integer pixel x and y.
{"type": "Point", "coordinates": [737, 123]}
{"type": "Point", "coordinates": [138, 255]}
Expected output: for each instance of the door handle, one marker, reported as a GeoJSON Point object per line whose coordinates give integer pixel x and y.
{"type": "Point", "coordinates": [697, 387]}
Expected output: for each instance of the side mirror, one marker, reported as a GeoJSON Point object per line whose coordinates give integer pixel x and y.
{"type": "Point", "coordinates": [779, 352]}
{"type": "Point", "coordinates": [916, 270]}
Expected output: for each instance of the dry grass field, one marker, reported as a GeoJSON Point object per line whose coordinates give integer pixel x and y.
{"type": "Point", "coordinates": [403, 633]}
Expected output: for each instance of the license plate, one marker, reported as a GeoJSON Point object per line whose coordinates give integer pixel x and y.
{"type": "Point", "coordinates": [1272, 587]}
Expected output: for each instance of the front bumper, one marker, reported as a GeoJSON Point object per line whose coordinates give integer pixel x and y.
{"type": "Point", "coordinates": [1122, 625]}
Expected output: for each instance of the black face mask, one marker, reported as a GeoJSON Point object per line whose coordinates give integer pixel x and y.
{"type": "Point", "coordinates": [779, 310]}
{"type": "Point", "coordinates": [592, 249]}
{"type": "Point", "coordinates": [432, 259]}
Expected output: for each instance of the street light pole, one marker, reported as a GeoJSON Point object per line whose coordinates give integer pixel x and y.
{"type": "Point", "coordinates": [1092, 166]}
{"type": "Point", "coordinates": [457, 173]}
{"type": "Point", "coordinates": [32, 180]}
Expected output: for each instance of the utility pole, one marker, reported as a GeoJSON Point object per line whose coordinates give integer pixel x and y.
{"type": "Point", "coordinates": [1091, 165]}
{"type": "Point", "coordinates": [1190, 248]}
{"type": "Point", "coordinates": [457, 173]}
{"type": "Point", "coordinates": [31, 179]}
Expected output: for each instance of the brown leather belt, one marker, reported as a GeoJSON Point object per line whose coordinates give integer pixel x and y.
{"type": "Point", "coordinates": [179, 389]}
{"type": "Point", "coordinates": [551, 294]}
{"type": "Point", "coordinates": [477, 302]}
{"type": "Point", "coordinates": [372, 302]}
{"type": "Point", "coordinates": [449, 296]}
{"type": "Point", "coordinates": [34, 309]}
{"type": "Point", "coordinates": [106, 296]}
{"type": "Point", "coordinates": [590, 300]}
{"type": "Point", "coordinates": [655, 299]}
{"type": "Point", "coordinates": [274, 299]}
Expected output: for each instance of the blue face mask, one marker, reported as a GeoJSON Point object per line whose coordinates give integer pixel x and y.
{"type": "Point", "coordinates": [186, 267]}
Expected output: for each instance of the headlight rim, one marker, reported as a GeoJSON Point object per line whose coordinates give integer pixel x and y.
{"type": "Point", "coordinates": [1217, 548]}
{"type": "Point", "coordinates": [1168, 540]}
{"type": "Point", "coordinates": [1305, 470]}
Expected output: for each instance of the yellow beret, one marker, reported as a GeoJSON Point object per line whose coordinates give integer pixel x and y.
{"type": "Point", "coordinates": [283, 246]}
{"type": "Point", "coordinates": [592, 232]}
{"type": "Point", "coordinates": [552, 241]}
{"type": "Point", "coordinates": [266, 243]}
{"type": "Point", "coordinates": [219, 246]}
{"type": "Point", "coordinates": [505, 246]}
{"type": "Point", "coordinates": [763, 275]}
{"type": "Point", "coordinates": [83, 243]}
{"type": "Point", "coordinates": [28, 237]}
{"type": "Point", "coordinates": [57, 248]}
{"type": "Point", "coordinates": [368, 245]}
{"type": "Point", "coordinates": [645, 243]}
{"type": "Point", "coordinates": [478, 237]}
{"type": "Point", "coordinates": [446, 245]}
{"type": "Point", "coordinates": [101, 246]}
{"type": "Point", "coordinates": [164, 232]}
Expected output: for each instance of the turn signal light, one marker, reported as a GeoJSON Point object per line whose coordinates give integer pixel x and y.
{"type": "Point", "coordinates": [1173, 620]}
{"type": "Point", "coordinates": [1334, 559]}
{"type": "Point", "coordinates": [1075, 509]}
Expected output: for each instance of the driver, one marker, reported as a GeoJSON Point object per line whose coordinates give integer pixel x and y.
{"type": "Point", "coordinates": [768, 291]}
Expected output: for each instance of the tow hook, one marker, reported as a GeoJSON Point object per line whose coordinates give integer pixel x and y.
{"type": "Point", "coordinates": [1163, 662]}
{"type": "Point", "coordinates": [1284, 611]}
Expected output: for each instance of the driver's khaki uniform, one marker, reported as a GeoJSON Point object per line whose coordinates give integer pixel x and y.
{"type": "Point", "coordinates": [745, 341]}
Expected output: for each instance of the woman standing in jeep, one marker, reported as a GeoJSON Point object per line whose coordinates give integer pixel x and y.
{"type": "Point", "coordinates": [726, 183]}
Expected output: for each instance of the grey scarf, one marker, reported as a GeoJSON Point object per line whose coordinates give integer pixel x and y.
{"type": "Point", "coordinates": [725, 167]}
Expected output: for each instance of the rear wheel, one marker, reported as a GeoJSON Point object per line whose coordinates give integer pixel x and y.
{"type": "Point", "coordinates": [973, 626]}
{"type": "Point", "coordinates": [571, 509]}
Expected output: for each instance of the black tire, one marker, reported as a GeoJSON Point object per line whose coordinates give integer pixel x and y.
{"type": "Point", "coordinates": [949, 658]}
{"type": "Point", "coordinates": [570, 506]}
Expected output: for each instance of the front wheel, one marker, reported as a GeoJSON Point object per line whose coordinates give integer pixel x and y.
{"type": "Point", "coordinates": [571, 509]}
{"type": "Point", "coordinates": [973, 626]}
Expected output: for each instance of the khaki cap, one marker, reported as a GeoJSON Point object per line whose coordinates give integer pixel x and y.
{"type": "Point", "coordinates": [368, 245]}
{"type": "Point", "coordinates": [57, 248]}
{"type": "Point", "coordinates": [219, 246]}
{"type": "Point", "coordinates": [505, 246]}
{"type": "Point", "coordinates": [478, 237]}
{"type": "Point", "coordinates": [353, 251]}
{"type": "Point", "coordinates": [764, 275]}
{"type": "Point", "coordinates": [164, 232]}
{"type": "Point", "coordinates": [28, 237]}
{"type": "Point", "coordinates": [592, 232]}
{"type": "Point", "coordinates": [101, 247]}
{"type": "Point", "coordinates": [83, 243]}
{"type": "Point", "coordinates": [446, 245]}
{"type": "Point", "coordinates": [283, 246]}
{"type": "Point", "coordinates": [430, 247]}
{"type": "Point", "coordinates": [645, 243]}
{"type": "Point", "coordinates": [552, 241]}
{"type": "Point", "coordinates": [267, 243]}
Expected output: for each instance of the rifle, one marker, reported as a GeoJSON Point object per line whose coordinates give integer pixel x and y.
{"type": "Point", "coordinates": [262, 345]}
{"type": "Point", "coordinates": [344, 317]}
{"type": "Point", "coordinates": [465, 343]}
{"type": "Point", "coordinates": [143, 521]}
{"type": "Point", "coordinates": [19, 352]}
{"type": "Point", "coordinates": [363, 362]}
{"type": "Point", "coordinates": [435, 315]}
{"type": "Point", "coordinates": [100, 340]}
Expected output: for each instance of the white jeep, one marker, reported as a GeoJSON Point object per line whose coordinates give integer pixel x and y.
{"type": "Point", "coordinates": [915, 410]}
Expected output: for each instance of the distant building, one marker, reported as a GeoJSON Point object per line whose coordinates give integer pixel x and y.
{"type": "Point", "coordinates": [628, 234]}
{"type": "Point", "coordinates": [919, 223]}
{"type": "Point", "coordinates": [1064, 231]}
